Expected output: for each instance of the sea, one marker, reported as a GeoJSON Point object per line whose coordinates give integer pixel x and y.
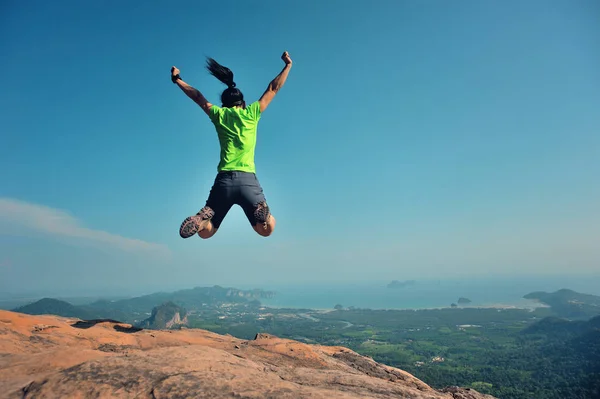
{"type": "Point", "coordinates": [431, 293]}
{"type": "Point", "coordinates": [501, 292]}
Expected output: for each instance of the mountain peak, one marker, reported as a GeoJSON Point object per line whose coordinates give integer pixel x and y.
{"type": "Point", "coordinates": [61, 357]}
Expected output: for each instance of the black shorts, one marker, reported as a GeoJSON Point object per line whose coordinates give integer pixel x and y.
{"type": "Point", "coordinates": [234, 188]}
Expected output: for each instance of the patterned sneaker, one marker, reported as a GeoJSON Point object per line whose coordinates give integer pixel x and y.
{"type": "Point", "coordinates": [193, 224]}
{"type": "Point", "coordinates": [262, 213]}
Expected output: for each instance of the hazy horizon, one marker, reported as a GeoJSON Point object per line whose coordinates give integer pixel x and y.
{"type": "Point", "coordinates": [410, 141]}
{"type": "Point", "coordinates": [519, 285]}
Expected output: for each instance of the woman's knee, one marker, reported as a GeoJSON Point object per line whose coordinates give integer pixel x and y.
{"type": "Point", "coordinates": [262, 232]}
{"type": "Point", "coordinates": [266, 229]}
{"type": "Point", "coordinates": [260, 229]}
{"type": "Point", "coordinates": [206, 234]}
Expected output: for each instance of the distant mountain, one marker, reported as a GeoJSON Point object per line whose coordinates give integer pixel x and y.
{"type": "Point", "coordinates": [463, 301]}
{"type": "Point", "coordinates": [568, 303]}
{"type": "Point", "coordinates": [135, 310]}
{"type": "Point", "coordinates": [53, 307]}
{"type": "Point", "coordinates": [165, 316]}
{"type": "Point", "coordinates": [194, 298]}
{"type": "Point", "coordinates": [401, 284]}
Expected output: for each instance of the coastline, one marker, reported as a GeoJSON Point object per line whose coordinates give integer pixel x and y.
{"type": "Point", "coordinates": [497, 306]}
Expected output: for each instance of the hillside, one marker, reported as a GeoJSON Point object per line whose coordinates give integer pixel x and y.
{"type": "Point", "coordinates": [55, 307]}
{"type": "Point", "coordinates": [55, 357]}
{"type": "Point", "coordinates": [568, 303]}
{"type": "Point", "coordinates": [136, 310]}
{"type": "Point", "coordinates": [557, 327]}
{"type": "Point", "coordinates": [193, 298]}
{"type": "Point", "coordinates": [564, 356]}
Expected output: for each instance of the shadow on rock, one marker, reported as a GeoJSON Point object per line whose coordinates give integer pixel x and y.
{"type": "Point", "coordinates": [91, 323]}
{"type": "Point", "coordinates": [127, 330]}
{"type": "Point", "coordinates": [84, 324]}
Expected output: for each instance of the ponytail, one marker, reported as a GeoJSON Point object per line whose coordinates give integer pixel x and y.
{"type": "Point", "coordinates": [220, 72]}
{"type": "Point", "coordinates": [232, 96]}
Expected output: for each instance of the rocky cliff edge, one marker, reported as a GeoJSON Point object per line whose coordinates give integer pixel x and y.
{"type": "Point", "coordinates": [57, 357]}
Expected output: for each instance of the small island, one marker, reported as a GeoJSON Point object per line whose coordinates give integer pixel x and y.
{"type": "Point", "coordinates": [401, 284]}
{"type": "Point", "coordinates": [463, 301]}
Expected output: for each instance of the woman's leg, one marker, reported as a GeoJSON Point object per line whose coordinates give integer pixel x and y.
{"type": "Point", "coordinates": [209, 231]}
{"type": "Point", "coordinates": [253, 202]}
{"type": "Point", "coordinates": [264, 221]}
{"type": "Point", "coordinates": [207, 221]}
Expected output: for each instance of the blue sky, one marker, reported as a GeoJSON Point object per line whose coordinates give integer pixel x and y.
{"type": "Point", "coordinates": [413, 139]}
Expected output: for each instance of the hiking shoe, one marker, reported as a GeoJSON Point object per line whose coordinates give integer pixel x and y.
{"type": "Point", "coordinates": [262, 213]}
{"type": "Point", "coordinates": [193, 224]}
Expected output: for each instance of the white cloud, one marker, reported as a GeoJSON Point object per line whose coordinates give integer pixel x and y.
{"type": "Point", "coordinates": [42, 219]}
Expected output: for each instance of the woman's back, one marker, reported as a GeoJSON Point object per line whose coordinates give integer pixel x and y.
{"type": "Point", "coordinates": [236, 128]}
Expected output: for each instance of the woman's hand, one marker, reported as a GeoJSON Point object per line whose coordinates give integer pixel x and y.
{"type": "Point", "coordinates": [286, 58]}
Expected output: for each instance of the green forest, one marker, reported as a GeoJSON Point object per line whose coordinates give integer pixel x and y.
{"type": "Point", "coordinates": [508, 353]}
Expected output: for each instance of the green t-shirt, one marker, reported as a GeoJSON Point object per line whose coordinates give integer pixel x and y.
{"type": "Point", "coordinates": [236, 128]}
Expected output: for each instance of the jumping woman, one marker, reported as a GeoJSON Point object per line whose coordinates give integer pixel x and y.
{"type": "Point", "coordinates": [236, 182]}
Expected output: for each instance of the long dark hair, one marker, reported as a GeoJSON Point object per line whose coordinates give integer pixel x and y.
{"type": "Point", "coordinates": [231, 96]}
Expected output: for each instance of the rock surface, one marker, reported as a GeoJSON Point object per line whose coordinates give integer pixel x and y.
{"type": "Point", "coordinates": [57, 357]}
